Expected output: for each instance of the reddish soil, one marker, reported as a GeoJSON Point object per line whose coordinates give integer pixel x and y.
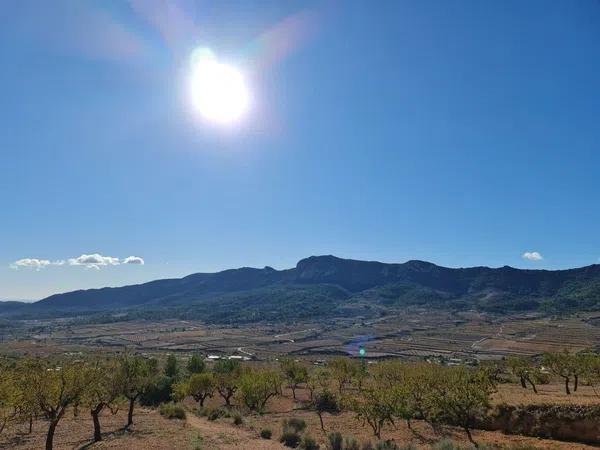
{"type": "Point", "coordinates": [153, 432]}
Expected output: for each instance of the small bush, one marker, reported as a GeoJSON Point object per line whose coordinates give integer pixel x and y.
{"type": "Point", "coordinates": [446, 444]}
{"type": "Point", "coordinates": [265, 433]}
{"type": "Point", "coordinates": [216, 413]}
{"type": "Point", "coordinates": [308, 443]}
{"type": "Point", "coordinates": [409, 446]}
{"type": "Point", "coordinates": [295, 424]}
{"type": "Point", "coordinates": [386, 445]}
{"type": "Point", "coordinates": [290, 438]}
{"type": "Point", "coordinates": [523, 447]}
{"type": "Point", "coordinates": [351, 444]}
{"type": "Point", "coordinates": [237, 418]}
{"type": "Point", "coordinates": [198, 443]}
{"type": "Point", "coordinates": [172, 411]}
{"type": "Point", "coordinates": [336, 441]}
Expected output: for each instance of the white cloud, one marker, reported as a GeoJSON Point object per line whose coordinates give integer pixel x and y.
{"type": "Point", "coordinates": [133, 260]}
{"type": "Point", "coordinates": [532, 256]}
{"type": "Point", "coordinates": [94, 261]}
{"type": "Point", "coordinates": [33, 263]}
{"type": "Point", "coordinates": [91, 261]}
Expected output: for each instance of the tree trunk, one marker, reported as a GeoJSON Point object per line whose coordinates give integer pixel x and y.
{"type": "Point", "coordinates": [97, 433]}
{"type": "Point", "coordinates": [409, 424]}
{"type": "Point", "coordinates": [226, 395]}
{"type": "Point", "coordinates": [523, 385]}
{"type": "Point", "coordinates": [567, 390]}
{"type": "Point", "coordinates": [321, 420]}
{"type": "Point", "coordinates": [470, 437]}
{"type": "Point", "coordinates": [533, 386]}
{"type": "Point", "coordinates": [30, 424]}
{"type": "Point", "coordinates": [576, 383]}
{"type": "Point", "coordinates": [293, 391]}
{"type": "Point", "coordinates": [50, 435]}
{"type": "Point", "coordinates": [130, 413]}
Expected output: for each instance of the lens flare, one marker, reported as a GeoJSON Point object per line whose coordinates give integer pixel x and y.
{"type": "Point", "coordinates": [218, 91]}
{"type": "Point", "coordinates": [358, 345]}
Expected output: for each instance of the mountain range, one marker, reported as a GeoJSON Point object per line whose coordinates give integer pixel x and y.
{"type": "Point", "coordinates": [327, 286]}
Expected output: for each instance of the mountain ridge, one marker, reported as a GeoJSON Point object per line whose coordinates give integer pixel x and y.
{"type": "Point", "coordinates": [330, 285]}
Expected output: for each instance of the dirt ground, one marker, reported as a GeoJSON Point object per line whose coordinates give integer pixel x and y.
{"type": "Point", "coordinates": [153, 432]}
{"type": "Point", "coordinates": [150, 431]}
{"type": "Point", "coordinates": [514, 394]}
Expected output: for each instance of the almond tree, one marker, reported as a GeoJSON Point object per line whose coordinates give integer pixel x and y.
{"type": "Point", "coordinates": [257, 386]}
{"type": "Point", "coordinates": [227, 378]}
{"type": "Point", "coordinates": [318, 380]}
{"type": "Point", "coordinates": [593, 372]}
{"type": "Point", "coordinates": [563, 365]}
{"type": "Point", "coordinates": [102, 391]}
{"type": "Point", "coordinates": [295, 372]}
{"type": "Point", "coordinates": [55, 388]}
{"type": "Point", "coordinates": [374, 406]}
{"type": "Point", "coordinates": [342, 371]}
{"type": "Point", "coordinates": [199, 386]}
{"type": "Point", "coordinates": [525, 371]}
{"type": "Point", "coordinates": [134, 375]}
{"type": "Point", "coordinates": [462, 397]}
{"type": "Point", "coordinates": [325, 402]}
{"type": "Point", "coordinates": [9, 397]}
{"type": "Point", "coordinates": [23, 400]}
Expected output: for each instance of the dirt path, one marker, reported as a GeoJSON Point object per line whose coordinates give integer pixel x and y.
{"type": "Point", "coordinates": [222, 436]}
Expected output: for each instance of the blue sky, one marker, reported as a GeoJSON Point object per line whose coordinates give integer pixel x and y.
{"type": "Point", "coordinates": [462, 133]}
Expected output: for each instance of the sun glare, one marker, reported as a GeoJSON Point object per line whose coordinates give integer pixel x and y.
{"type": "Point", "coordinates": [218, 91]}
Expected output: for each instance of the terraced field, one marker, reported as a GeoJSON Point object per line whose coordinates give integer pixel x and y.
{"type": "Point", "coordinates": [404, 334]}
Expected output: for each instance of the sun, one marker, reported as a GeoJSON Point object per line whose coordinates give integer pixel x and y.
{"type": "Point", "coordinates": [218, 91]}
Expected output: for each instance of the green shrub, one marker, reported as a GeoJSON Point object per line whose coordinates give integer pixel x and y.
{"type": "Point", "coordinates": [216, 413]}
{"type": "Point", "coordinates": [290, 438]}
{"type": "Point", "coordinates": [237, 418]}
{"type": "Point", "coordinates": [172, 411]}
{"type": "Point", "coordinates": [336, 441]}
{"type": "Point", "coordinates": [308, 443]}
{"type": "Point", "coordinates": [523, 447]}
{"type": "Point", "coordinates": [295, 424]}
{"type": "Point", "coordinates": [351, 444]}
{"type": "Point", "coordinates": [198, 442]}
{"type": "Point", "coordinates": [265, 433]}
{"type": "Point", "coordinates": [446, 444]}
{"type": "Point", "coordinates": [386, 445]}
{"type": "Point", "coordinates": [409, 447]}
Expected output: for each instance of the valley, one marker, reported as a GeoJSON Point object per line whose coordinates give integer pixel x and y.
{"type": "Point", "coordinates": [412, 333]}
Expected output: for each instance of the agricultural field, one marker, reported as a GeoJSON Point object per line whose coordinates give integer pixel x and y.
{"type": "Point", "coordinates": [407, 334]}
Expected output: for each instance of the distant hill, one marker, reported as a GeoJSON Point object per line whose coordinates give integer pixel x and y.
{"type": "Point", "coordinates": [326, 286]}
{"type": "Point", "coordinates": [8, 306]}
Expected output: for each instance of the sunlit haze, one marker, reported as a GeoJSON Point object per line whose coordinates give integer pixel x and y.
{"type": "Point", "coordinates": [218, 90]}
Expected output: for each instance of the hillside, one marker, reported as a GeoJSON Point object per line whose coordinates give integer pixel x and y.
{"type": "Point", "coordinates": [325, 286]}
